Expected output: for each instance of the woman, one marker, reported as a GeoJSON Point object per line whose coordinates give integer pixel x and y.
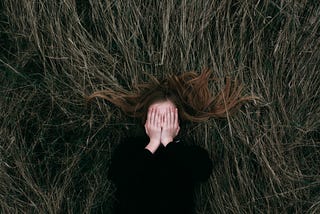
{"type": "Point", "coordinates": [156, 173]}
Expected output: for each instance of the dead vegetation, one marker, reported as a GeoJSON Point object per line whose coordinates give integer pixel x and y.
{"type": "Point", "coordinates": [55, 149]}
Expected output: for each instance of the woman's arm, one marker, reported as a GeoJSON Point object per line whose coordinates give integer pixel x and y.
{"type": "Point", "coordinates": [193, 159]}
{"type": "Point", "coordinates": [130, 161]}
{"type": "Point", "coordinates": [133, 160]}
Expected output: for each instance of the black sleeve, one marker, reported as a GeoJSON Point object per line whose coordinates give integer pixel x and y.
{"type": "Point", "coordinates": [194, 159]}
{"type": "Point", "coordinates": [130, 161]}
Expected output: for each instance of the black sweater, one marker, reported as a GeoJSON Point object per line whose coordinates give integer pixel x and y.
{"type": "Point", "coordinates": [162, 182]}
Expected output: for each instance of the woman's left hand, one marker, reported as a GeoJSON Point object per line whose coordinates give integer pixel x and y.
{"type": "Point", "coordinates": [170, 126]}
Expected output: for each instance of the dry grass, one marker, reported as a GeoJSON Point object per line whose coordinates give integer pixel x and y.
{"type": "Point", "coordinates": [55, 150]}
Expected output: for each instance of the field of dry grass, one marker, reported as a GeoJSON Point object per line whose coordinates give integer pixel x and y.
{"type": "Point", "coordinates": [55, 149]}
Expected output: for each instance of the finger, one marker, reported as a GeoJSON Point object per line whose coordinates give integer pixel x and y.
{"type": "Point", "coordinates": [178, 130]}
{"type": "Point", "coordinates": [163, 119]}
{"type": "Point", "coordinates": [157, 118]}
{"type": "Point", "coordinates": [160, 119]}
{"type": "Point", "coordinates": [146, 129]}
{"type": "Point", "coordinates": [167, 117]}
{"type": "Point", "coordinates": [172, 116]}
{"type": "Point", "coordinates": [176, 123]}
{"type": "Point", "coordinates": [154, 114]}
{"type": "Point", "coordinates": [154, 117]}
{"type": "Point", "coordinates": [149, 116]}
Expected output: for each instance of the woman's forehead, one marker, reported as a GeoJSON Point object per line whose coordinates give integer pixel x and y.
{"type": "Point", "coordinates": [163, 104]}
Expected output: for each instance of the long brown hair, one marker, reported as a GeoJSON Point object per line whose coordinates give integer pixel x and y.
{"type": "Point", "coordinates": [189, 91]}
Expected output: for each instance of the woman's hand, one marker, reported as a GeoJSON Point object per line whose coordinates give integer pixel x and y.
{"type": "Point", "coordinates": [170, 126]}
{"type": "Point", "coordinates": [153, 129]}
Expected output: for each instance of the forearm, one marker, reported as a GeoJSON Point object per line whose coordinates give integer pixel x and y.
{"type": "Point", "coordinates": [193, 158]}
{"type": "Point", "coordinates": [130, 161]}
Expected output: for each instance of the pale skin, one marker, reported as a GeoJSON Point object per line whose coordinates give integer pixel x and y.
{"type": "Point", "coordinates": [162, 124]}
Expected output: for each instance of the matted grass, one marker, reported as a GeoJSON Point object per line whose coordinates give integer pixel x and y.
{"type": "Point", "coordinates": [55, 149]}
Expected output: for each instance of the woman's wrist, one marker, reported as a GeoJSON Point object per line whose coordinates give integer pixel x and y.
{"type": "Point", "coordinates": [166, 141]}
{"type": "Point", "coordinates": [153, 145]}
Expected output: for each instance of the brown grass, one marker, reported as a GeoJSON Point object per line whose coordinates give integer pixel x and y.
{"type": "Point", "coordinates": [55, 150]}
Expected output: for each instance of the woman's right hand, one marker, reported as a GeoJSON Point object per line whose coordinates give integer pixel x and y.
{"type": "Point", "coordinates": [153, 129]}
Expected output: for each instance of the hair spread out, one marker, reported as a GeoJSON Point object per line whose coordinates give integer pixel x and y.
{"type": "Point", "coordinates": [189, 91]}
